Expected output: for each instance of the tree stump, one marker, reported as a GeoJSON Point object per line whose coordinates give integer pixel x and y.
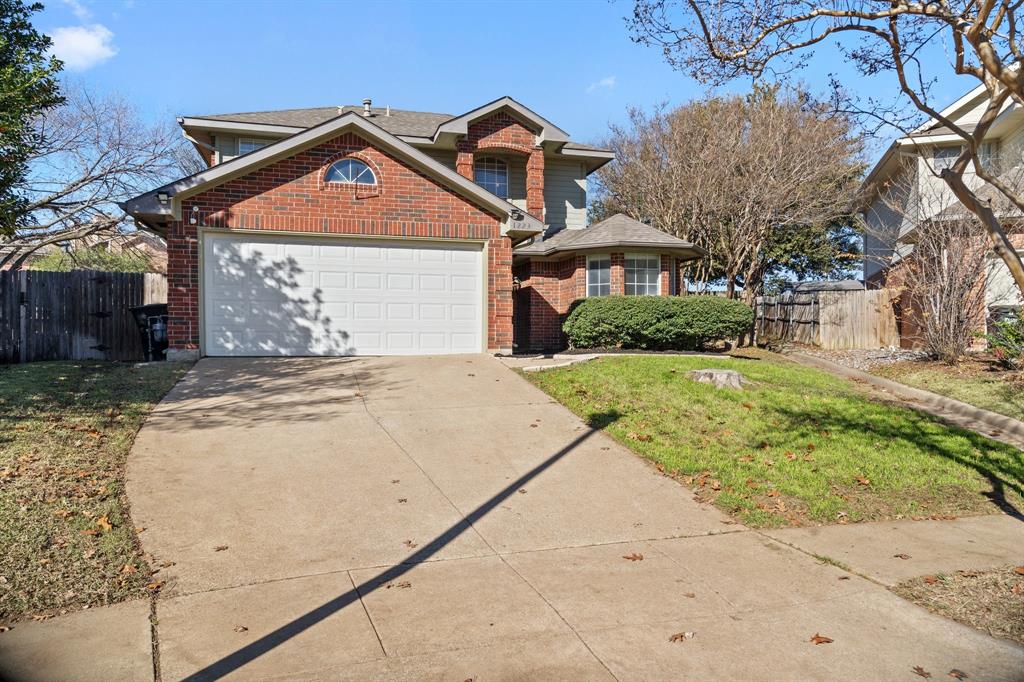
{"type": "Point", "coordinates": [721, 378]}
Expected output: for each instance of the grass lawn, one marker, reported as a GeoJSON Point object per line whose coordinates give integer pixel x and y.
{"type": "Point", "coordinates": [796, 446]}
{"type": "Point", "coordinates": [991, 601]}
{"type": "Point", "coordinates": [66, 540]}
{"type": "Point", "coordinates": [973, 381]}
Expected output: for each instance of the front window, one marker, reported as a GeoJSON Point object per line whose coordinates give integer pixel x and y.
{"type": "Point", "coordinates": [249, 144]}
{"type": "Point", "coordinates": [492, 174]}
{"type": "Point", "coordinates": [599, 276]}
{"type": "Point", "coordinates": [351, 171]}
{"type": "Point", "coordinates": [643, 274]}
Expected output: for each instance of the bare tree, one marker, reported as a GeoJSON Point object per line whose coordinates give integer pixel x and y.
{"type": "Point", "coordinates": [941, 264]}
{"type": "Point", "coordinates": [94, 152]}
{"type": "Point", "coordinates": [739, 176]}
{"type": "Point", "coordinates": [716, 41]}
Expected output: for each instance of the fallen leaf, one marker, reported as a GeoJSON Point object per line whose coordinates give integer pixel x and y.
{"type": "Point", "coordinates": [166, 564]}
{"type": "Point", "coordinates": [241, 628]}
{"type": "Point", "coordinates": [533, 426]}
{"type": "Point", "coordinates": [863, 480]}
{"type": "Point", "coordinates": [682, 636]}
{"type": "Point", "coordinates": [790, 456]}
{"type": "Point", "coordinates": [921, 672]}
{"type": "Point", "coordinates": [901, 556]}
{"type": "Point", "coordinates": [751, 483]}
{"type": "Point", "coordinates": [128, 569]}
{"type": "Point", "coordinates": [748, 406]}
{"type": "Point", "coordinates": [769, 463]}
{"type": "Point", "coordinates": [820, 639]}
{"type": "Point", "coordinates": [5, 628]}
{"type": "Point", "coordinates": [930, 579]}
{"type": "Point", "coordinates": [1019, 570]}
{"type": "Point", "coordinates": [716, 485]}
{"type": "Point", "coordinates": [91, 531]}
{"type": "Point", "coordinates": [810, 447]}
{"type": "Point", "coordinates": [635, 556]}
{"type": "Point", "coordinates": [969, 574]}
{"type": "Point", "coordinates": [400, 585]}
{"type": "Point", "coordinates": [521, 491]}
{"type": "Point", "coordinates": [104, 523]}
{"type": "Point", "coordinates": [773, 493]}
{"type": "Point", "coordinates": [844, 577]}
{"type": "Point", "coordinates": [155, 585]}
{"type": "Point", "coordinates": [746, 458]}
{"type": "Point", "coordinates": [409, 543]}
{"type": "Point", "coordinates": [958, 674]}
{"type": "Point", "coordinates": [689, 595]}
{"type": "Point", "coordinates": [395, 480]}
{"type": "Point", "coordinates": [220, 548]}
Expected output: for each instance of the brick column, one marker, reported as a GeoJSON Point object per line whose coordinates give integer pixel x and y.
{"type": "Point", "coordinates": [464, 164]}
{"type": "Point", "coordinates": [618, 274]}
{"type": "Point", "coordinates": [499, 313]}
{"type": "Point", "coordinates": [665, 279]}
{"type": "Point", "coordinates": [535, 184]}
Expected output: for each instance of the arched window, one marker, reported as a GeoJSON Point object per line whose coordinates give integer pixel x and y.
{"type": "Point", "coordinates": [351, 171]}
{"type": "Point", "coordinates": [492, 174]}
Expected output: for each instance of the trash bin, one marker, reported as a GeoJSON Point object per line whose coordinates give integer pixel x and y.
{"type": "Point", "coordinates": [152, 321]}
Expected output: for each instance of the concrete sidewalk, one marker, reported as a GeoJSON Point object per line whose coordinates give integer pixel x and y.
{"type": "Point", "coordinates": [440, 518]}
{"type": "Point", "coordinates": [876, 550]}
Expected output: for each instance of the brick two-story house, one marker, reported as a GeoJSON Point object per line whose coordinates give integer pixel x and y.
{"type": "Point", "coordinates": [362, 230]}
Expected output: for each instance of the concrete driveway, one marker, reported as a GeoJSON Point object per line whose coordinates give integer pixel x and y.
{"type": "Point", "coordinates": [439, 518]}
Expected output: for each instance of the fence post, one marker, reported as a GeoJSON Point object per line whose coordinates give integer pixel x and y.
{"type": "Point", "coordinates": [22, 315]}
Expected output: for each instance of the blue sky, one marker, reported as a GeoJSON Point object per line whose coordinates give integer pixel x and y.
{"type": "Point", "coordinates": [572, 62]}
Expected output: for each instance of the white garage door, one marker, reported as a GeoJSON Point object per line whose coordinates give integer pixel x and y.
{"type": "Point", "coordinates": [321, 296]}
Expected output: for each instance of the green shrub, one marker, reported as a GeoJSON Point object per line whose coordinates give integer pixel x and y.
{"type": "Point", "coordinates": [93, 258]}
{"type": "Point", "coordinates": [1006, 341]}
{"type": "Point", "coordinates": [655, 322]}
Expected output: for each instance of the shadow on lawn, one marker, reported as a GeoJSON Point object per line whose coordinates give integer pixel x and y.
{"type": "Point", "coordinates": [250, 652]}
{"type": "Point", "coordinates": [1003, 474]}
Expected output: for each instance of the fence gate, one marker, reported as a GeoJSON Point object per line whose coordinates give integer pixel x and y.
{"type": "Point", "coordinates": [76, 315]}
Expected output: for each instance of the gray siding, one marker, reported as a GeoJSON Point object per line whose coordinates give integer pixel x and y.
{"type": "Point", "coordinates": [444, 156]}
{"type": "Point", "coordinates": [565, 193]}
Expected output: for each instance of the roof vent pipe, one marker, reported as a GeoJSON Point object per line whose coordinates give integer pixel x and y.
{"type": "Point", "coordinates": [387, 111]}
{"type": "Point", "coordinates": [366, 106]}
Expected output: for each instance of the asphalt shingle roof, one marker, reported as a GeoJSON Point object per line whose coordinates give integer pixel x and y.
{"type": "Point", "coordinates": [618, 230]}
{"type": "Point", "coordinates": [399, 122]}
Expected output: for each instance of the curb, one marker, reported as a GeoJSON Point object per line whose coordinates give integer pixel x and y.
{"type": "Point", "coordinates": [566, 359]}
{"type": "Point", "coordinates": [999, 425]}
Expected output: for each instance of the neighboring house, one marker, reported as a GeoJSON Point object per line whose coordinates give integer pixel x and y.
{"type": "Point", "coordinates": [9, 256]}
{"type": "Point", "coordinates": [363, 230]}
{"type": "Point", "coordinates": [901, 192]}
{"type": "Point", "coordinates": [152, 246]}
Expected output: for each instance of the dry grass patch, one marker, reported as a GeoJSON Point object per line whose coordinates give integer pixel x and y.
{"type": "Point", "coordinates": [978, 381]}
{"type": "Point", "coordinates": [991, 601]}
{"type": "Point", "coordinates": [65, 431]}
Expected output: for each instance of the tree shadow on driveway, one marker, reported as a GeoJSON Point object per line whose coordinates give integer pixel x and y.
{"type": "Point", "coordinates": [250, 652]}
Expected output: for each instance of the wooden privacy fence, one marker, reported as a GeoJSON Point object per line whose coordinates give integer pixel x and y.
{"type": "Point", "coordinates": [830, 319]}
{"type": "Point", "coordinates": [78, 315]}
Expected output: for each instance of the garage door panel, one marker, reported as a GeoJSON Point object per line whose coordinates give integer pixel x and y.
{"type": "Point", "coordinates": [309, 296]}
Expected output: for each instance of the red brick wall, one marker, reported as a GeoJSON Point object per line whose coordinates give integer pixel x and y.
{"type": "Point", "coordinates": [553, 286]}
{"type": "Point", "coordinates": [504, 132]}
{"type": "Point", "coordinates": [290, 195]}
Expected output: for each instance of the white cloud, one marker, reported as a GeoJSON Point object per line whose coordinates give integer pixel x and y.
{"type": "Point", "coordinates": [606, 83]}
{"type": "Point", "coordinates": [83, 47]}
{"type": "Point", "coordinates": [79, 10]}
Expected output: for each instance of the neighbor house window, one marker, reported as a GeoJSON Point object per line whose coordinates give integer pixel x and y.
{"type": "Point", "coordinates": [944, 157]}
{"type": "Point", "coordinates": [351, 171]}
{"type": "Point", "coordinates": [599, 275]}
{"type": "Point", "coordinates": [249, 144]}
{"type": "Point", "coordinates": [643, 275]}
{"type": "Point", "coordinates": [492, 174]}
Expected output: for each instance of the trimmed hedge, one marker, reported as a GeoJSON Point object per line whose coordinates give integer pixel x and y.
{"type": "Point", "coordinates": [655, 322]}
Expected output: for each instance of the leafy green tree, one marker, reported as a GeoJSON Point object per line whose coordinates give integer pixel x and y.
{"type": "Point", "coordinates": [28, 88]}
{"type": "Point", "coordinates": [93, 258]}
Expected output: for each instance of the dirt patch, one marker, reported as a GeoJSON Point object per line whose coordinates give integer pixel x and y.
{"type": "Point", "coordinates": [991, 601]}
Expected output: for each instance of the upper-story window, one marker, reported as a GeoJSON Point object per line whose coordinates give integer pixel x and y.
{"type": "Point", "coordinates": [250, 144]}
{"type": "Point", "coordinates": [492, 174]}
{"type": "Point", "coordinates": [944, 157]}
{"type": "Point", "coordinates": [351, 171]}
